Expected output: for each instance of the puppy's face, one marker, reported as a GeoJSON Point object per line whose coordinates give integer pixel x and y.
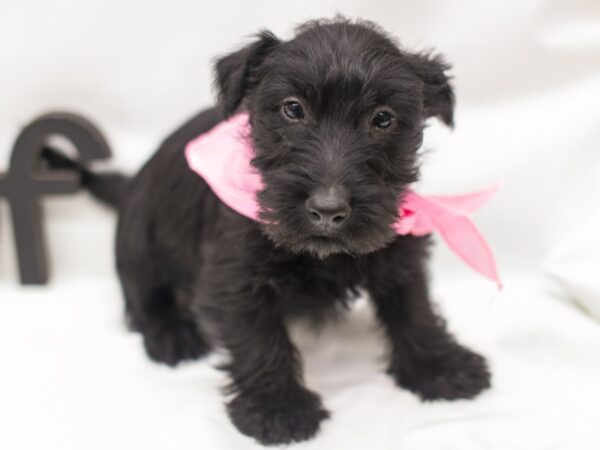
{"type": "Point", "coordinates": [337, 117]}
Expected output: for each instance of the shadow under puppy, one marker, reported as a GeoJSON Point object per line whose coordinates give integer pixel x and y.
{"type": "Point", "coordinates": [337, 115]}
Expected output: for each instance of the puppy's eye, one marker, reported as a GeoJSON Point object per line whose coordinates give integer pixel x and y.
{"type": "Point", "coordinates": [293, 110]}
{"type": "Point", "coordinates": [382, 120]}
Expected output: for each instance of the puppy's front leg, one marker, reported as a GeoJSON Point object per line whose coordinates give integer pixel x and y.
{"type": "Point", "coordinates": [270, 402]}
{"type": "Point", "coordinates": [425, 357]}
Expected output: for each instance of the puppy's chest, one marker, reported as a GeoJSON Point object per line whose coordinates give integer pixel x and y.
{"type": "Point", "coordinates": [320, 289]}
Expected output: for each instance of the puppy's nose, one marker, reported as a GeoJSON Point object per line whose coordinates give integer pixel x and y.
{"type": "Point", "coordinates": [328, 208]}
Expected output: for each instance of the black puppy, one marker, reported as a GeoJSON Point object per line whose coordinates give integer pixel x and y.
{"type": "Point", "coordinates": [337, 116]}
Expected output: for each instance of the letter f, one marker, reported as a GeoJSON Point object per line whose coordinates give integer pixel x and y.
{"type": "Point", "coordinates": [25, 183]}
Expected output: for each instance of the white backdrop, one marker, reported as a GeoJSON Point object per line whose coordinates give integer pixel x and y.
{"type": "Point", "coordinates": [527, 76]}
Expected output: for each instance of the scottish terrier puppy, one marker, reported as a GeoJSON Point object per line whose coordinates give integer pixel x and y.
{"type": "Point", "coordinates": [337, 116]}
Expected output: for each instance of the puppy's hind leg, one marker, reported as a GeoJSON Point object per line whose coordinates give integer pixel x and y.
{"type": "Point", "coordinates": [170, 335]}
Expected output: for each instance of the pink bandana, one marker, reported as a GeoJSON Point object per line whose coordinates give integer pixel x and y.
{"type": "Point", "coordinates": [222, 157]}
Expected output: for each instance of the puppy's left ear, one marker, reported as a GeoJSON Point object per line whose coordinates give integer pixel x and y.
{"type": "Point", "coordinates": [438, 92]}
{"type": "Point", "coordinates": [236, 73]}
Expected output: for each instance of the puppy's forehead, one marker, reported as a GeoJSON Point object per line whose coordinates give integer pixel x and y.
{"type": "Point", "coordinates": [339, 62]}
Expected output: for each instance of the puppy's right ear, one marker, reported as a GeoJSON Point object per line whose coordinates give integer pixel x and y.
{"type": "Point", "coordinates": [236, 73]}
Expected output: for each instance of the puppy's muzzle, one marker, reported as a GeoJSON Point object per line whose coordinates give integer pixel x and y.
{"type": "Point", "coordinates": [328, 208]}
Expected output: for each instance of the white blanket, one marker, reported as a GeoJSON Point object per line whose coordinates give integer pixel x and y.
{"type": "Point", "coordinates": [73, 378]}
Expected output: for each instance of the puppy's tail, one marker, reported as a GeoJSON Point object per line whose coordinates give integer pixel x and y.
{"type": "Point", "coordinates": [108, 187]}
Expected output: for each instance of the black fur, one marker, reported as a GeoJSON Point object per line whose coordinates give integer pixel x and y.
{"type": "Point", "coordinates": [196, 275]}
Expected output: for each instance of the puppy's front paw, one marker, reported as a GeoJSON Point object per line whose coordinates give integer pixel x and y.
{"type": "Point", "coordinates": [452, 373]}
{"type": "Point", "coordinates": [274, 419]}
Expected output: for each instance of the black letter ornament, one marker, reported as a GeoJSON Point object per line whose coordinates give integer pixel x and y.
{"type": "Point", "coordinates": [27, 180]}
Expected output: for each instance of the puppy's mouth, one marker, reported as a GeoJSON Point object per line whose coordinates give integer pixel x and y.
{"type": "Point", "coordinates": [323, 245]}
{"type": "Point", "coordinates": [318, 244]}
